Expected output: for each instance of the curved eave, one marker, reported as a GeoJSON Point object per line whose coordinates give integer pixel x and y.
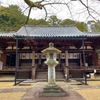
{"type": "Point", "coordinates": [6, 37]}
{"type": "Point", "coordinates": [89, 34]}
{"type": "Point", "coordinates": [93, 36]}
{"type": "Point", "coordinates": [52, 37]}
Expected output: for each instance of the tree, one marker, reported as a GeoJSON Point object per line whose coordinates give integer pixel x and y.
{"type": "Point", "coordinates": [54, 21]}
{"type": "Point", "coordinates": [82, 26]}
{"type": "Point", "coordinates": [37, 22]}
{"type": "Point", "coordinates": [97, 26]}
{"type": "Point", "coordinates": [11, 18]}
{"type": "Point", "coordinates": [68, 22]}
{"type": "Point", "coordinates": [4, 17]}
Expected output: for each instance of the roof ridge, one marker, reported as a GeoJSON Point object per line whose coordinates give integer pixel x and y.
{"type": "Point", "coordinates": [49, 26]}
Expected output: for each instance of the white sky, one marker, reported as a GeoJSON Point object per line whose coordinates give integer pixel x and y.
{"type": "Point", "coordinates": [61, 11]}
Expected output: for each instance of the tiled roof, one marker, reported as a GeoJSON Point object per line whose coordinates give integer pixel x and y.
{"type": "Point", "coordinates": [90, 34]}
{"type": "Point", "coordinates": [10, 34]}
{"type": "Point", "coordinates": [49, 32]}
{"type": "Point", "coordinates": [60, 31]}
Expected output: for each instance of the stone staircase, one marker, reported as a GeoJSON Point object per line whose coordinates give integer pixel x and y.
{"type": "Point", "coordinates": [60, 76]}
{"type": "Point", "coordinates": [43, 76]}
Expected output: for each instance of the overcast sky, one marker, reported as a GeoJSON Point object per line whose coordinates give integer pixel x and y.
{"type": "Point", "coordinates": [60, 11]}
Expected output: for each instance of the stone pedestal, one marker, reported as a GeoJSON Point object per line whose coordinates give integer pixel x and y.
{"type": "Point", "coordinates": [52, 91]}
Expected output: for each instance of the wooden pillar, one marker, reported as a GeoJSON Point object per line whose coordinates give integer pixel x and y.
{"type": "Point", "coordinates": [1, 64]}
{"type": "Point", "coordinates": [59, 59]}
{"type": "Point", "coordinates": [39, 58]}
{"type": "Point", "coordinates": [33, 73]}
{"type": "Point", "coordinates": [33, 58]}
{"type": "Point", "coordinates": [66, 57]}
{"type": "Point", "coordinates": [0, 56]}
{"type": "Point", "coordinates": [33, 65]}
{"type": "Point", "coordinates": [80, 57]}
{"type": "Point", "coordinates": [66, 63]}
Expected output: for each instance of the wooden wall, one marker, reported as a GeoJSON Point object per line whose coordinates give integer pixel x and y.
{"type": "Point", "coordinates": [95, 59]}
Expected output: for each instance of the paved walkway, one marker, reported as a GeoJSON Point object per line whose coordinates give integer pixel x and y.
{"type": "Point", "coordinates": [33, 94]}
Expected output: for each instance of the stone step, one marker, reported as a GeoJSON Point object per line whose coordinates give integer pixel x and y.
{"type": "Point", "coordinates": [42, 94]}
{"type": "Point", "coordinates": [41, 75]}
{"type": "Point", "coordinates": [44, 75]}
{"type": "Point", "coordinates": [59, 75]}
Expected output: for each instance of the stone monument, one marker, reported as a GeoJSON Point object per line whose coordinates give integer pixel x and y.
{"type": "Point", "coordinates": [51, 89]}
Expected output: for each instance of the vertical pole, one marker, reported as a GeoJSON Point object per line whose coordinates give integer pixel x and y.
{"type": "Point", "coordinates": [84, 63]}
{"type": "Point", "coordinates": [16, 60]}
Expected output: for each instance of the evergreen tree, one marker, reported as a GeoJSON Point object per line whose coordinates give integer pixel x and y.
{"type": "Point", "coordinates": [11, 18]}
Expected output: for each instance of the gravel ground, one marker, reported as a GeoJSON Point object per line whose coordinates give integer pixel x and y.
{"type": "Point", "coordinates": [93, 82]}
{"type": "Point", "coordinates": [11, 96]}
{"type": "Point", "coordinates": [10, 92]}
{"type": "Point", "coordinates": [88, 93]}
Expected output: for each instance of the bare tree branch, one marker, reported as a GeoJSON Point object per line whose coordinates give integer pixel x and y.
{"type": "Point", "coordinates": [45, 12]}
{"type": "Point", "coordinates": [40, 6]}
{"type": "Point", "coordinates": [88, 9]}
{"type": "Point", "coordinates": [28, 15]}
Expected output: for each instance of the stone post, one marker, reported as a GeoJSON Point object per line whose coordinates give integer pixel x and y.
{"type": "Point", "coordinates": [51, 75]}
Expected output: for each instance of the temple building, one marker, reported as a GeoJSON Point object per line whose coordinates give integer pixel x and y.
{"type": "Point", "coordinates": [21, 52]}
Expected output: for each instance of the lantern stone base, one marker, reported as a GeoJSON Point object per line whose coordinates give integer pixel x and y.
{"type": "Point", "coordinates": [52, 91]}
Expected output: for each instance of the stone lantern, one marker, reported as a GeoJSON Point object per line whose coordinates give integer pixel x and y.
{"type": "Point", "coordinates": [51, 55]}
{"type": "Point", "coordinates": [51, 89]}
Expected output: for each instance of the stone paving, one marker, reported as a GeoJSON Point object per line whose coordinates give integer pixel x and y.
{"type": "Point", "coordinates": [32, 94]}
